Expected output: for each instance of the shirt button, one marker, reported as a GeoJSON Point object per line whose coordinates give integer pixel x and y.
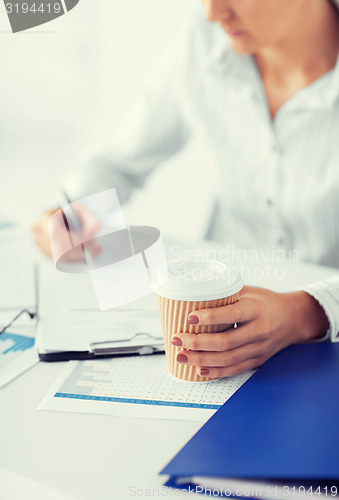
{"type": "Point", "coordinates": [269, 202]}
{"type": "Point", "coordinates": [281, 241]}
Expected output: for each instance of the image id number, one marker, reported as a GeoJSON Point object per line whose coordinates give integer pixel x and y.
{"type": "Point", "coordinates": [35, 8]}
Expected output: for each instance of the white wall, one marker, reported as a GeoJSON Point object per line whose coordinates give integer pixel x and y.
{"type": "Point", "coordinates": [66, 84]}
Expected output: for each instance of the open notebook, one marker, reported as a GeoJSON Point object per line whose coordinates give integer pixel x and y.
{"type": "Point", "coordinates": [18, 305]}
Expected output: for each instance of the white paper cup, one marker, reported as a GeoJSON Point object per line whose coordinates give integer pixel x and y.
{"type": "Point", "coordinates": [191, 286]}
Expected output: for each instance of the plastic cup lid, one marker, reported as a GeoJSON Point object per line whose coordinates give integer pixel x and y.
{"type": "Point", "coordinates": [198, 281]}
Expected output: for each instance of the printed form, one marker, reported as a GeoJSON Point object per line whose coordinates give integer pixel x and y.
{"type": "Point", "coordinates": [137, 386]}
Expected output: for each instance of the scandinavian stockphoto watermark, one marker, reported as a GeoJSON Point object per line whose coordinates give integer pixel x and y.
{"type": "Point", "coordinates": [27, 14]}
{"type": "Point", "coordinates": [253, 264]}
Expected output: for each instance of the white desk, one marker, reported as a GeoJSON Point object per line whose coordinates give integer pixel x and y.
{"type": "Point", "coordinates": [91, 456]}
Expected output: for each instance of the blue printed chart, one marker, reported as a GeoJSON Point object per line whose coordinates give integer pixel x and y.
{"type": "Point", "coordinates": [17, 354]}
{"type": "Point", "coordinates": [13, 345]}
{"type": "Point", "coordinates": [138, 386]}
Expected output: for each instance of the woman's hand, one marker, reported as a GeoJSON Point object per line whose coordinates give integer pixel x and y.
{"type": "Point", "coordinates": [267, 322]}
{"type": "Point", "coordinates": [51, 226]}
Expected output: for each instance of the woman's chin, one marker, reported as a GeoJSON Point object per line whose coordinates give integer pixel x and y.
{"type": "Point", "coordinates": [242, 46]}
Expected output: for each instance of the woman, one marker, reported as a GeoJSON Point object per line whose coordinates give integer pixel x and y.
{"type": "Point", "coordinates": [260, 80]}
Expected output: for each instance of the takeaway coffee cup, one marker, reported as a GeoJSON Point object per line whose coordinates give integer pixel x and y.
{"type": "Point", "coordinates": [191, 286]}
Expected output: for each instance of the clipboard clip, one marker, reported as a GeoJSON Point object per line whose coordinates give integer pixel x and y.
{"type": "Point", "coordinates": [141, 343]}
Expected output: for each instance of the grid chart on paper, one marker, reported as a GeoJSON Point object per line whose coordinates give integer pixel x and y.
{"type": "Point", "coordinates": [144, 380]}
{"type": "Point", "coordinates": [12, 345]}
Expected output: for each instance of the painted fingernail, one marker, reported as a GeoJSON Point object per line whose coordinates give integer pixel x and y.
{"type": "Point", "coordinates": [204, 372]}
{"type": "Point", "coordinates": [193, 320]}
{"type": "Point", "coordinates": [182, 358]}
{"type": "Point", "coordinates": [176, 341]}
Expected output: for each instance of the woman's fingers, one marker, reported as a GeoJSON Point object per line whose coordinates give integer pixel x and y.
{"type": "Point", "coordinates": [51, 234]}
{"type": "Point", "coordinates": [221, 359]}
{"type": "Point", "coordinates": [230, 371]}
{"type": "Point", "coordinates": [244, 309]}
{"type": "Point", "coordinates": [223, 341]}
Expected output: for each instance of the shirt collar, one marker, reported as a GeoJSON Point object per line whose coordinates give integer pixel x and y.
{"type": "Point", "coordinates": [323, 92]}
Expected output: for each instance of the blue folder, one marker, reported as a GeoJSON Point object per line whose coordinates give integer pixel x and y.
{"type": "Point", "coordinates": [282, 425]}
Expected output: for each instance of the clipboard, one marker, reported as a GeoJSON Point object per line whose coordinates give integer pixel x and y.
{"type": "Point", "coordinates": [140, 344]}
{"type": "Point", "coordinates": [76, 335]}
{"type": "Point", "coordinates": [72, 327]}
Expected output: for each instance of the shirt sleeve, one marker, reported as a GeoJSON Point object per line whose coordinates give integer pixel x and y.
{"type": "Point", "coordinates": [326, 292]}
{"type": "Point", "coordinates": [154, 129]}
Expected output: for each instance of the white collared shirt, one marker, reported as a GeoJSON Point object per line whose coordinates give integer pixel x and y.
{"type": "Point", "coordinates": [278, 179]}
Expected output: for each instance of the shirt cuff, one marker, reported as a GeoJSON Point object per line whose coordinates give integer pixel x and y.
{"type": "Point", "coordinates": [326, 293]}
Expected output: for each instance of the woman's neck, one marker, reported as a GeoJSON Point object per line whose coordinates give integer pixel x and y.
{"type": "Point", "coordinates": [309, 51]}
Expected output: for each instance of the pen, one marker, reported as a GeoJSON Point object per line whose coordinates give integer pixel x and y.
{"type": "Point", "coordinates": [66, 206]}
{"type": "Point", "coordinates": [71, 221]}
